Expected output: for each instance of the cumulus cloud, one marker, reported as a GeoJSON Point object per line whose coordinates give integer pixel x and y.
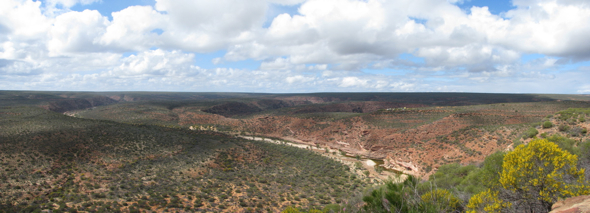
{"type": "Point", "coordinates": [328, 45]}
{"type": "Point", "coordinates": [22, 20]}
{"type": "Point", "coordinates": [209, 25]}
{"type": "Point", "coordinates": [298, 79]}
{"type": "Point", "coordinates": [155, 62]}
{"type": "Point", "coordinates": [132, 29]}
{"type": "Point", "coordinates": [76, 32]}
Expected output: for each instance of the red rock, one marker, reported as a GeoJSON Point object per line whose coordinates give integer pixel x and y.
{"type": "Point", "coordinates": [577, 204]}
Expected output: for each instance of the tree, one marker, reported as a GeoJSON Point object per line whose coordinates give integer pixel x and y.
{"type": "Point", "coordinates": [533, 177]}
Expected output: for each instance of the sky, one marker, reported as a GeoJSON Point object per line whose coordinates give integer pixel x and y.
{"type": "Point", "coordinates": [296, 46]}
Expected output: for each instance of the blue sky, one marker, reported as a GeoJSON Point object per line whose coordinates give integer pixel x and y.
{"type": "Point", "coordinates": [283, 46]}
{"type": "Point", "coordinates": [495, 7]}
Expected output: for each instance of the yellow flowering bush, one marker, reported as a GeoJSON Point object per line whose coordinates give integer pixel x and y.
{"type": "Point", "coordinates": [534, 176]}
{"type": "Point", "coordinates": [538, 170]}
{"type": "Point", "coordinates": [442, 198]}
{"type": "Point", "coordinates": [291, 209]}
{"type": "Point", "coordinates": [486, 201]}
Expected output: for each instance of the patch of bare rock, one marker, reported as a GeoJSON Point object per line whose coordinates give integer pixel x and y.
{"type": "Point", "coordinates": [577, 204]}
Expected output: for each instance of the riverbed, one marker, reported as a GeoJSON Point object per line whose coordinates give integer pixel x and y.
{"type": "Point", "coordinates": [352, 162]}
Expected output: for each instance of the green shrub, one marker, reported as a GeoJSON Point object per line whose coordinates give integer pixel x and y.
{"type": "Point", "coordinates": [564, 127]}
{"type": "Point", "coordinates": [332, 208]}
{"type": "Point", "coordinates": [444, 200]}
{"type": "Point", "coordinates": [572, 121]}
{"type": "Point", "coordinates": [573, 113]}
{"type": "Point", "coordinates": [577, 131]}
{"type": "Point", "coordinates": [564, 143]}
{"type": "Point", "coordinates": [467, 179]}
{"type": "Point", "coordinates": [516, 142]}
{"type": "Point", "coordinates": [530, 133]}
{"type": "Point", "coordinates": [449, 176]}
{"type": "Point", "coordinates": [547, 124]}
{"type": "Point", "coordinates": [378, 169]}
{"type": "Point", "coordinates": [397, 197]}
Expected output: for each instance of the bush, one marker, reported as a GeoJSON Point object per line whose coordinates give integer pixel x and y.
{"type": "Point", "coordinates": [564, 127]}
{"type": "Point", "coordinates": [565, 144]}
{"type": "Point", "coordinates": [530, 133]}
{"type": "Point", "coordinates": [443, 199]}
{"type": "Point", "coordinates": [533, 178]}
{"type": "Point", "coordinates": [544, 135]}
{"type": "Point", "coordinates": [573, 113]}
{"type": "Point", "coordinates": [397, 197]}
{"type": "Point", "coordinates": [333, 208]}
{"type": "Point", "coordinates": [537, 173]}
{"type": "Point", "coordinates": [467, 179]}
{"type": "Point", "coordinates": [547, 124]}
{"type": "Point", "coordinates": [481, 202]}
{"type": "Point", "coordinates": [449, 176]}
{"type": "Point", "coordinates": [516, 142]}
{"type": "Point", "coordinates": [577, 131]}
{"type": "Point", "coordinates": [378, 169]}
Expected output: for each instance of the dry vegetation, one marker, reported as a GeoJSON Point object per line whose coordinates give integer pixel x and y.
{"type": "Point", "coordinates": [134, 152]}
{"type": "Point", "coordinates": [52, 161]}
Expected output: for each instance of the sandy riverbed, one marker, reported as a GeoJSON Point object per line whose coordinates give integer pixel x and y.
{"type": "Point", "coordinates": [368, 164]}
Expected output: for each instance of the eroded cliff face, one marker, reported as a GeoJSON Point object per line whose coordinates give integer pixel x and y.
{"type": "Point", "coordinates": [414, 141]}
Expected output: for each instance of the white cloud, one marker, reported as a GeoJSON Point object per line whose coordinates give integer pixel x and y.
{"type": "Point", "coordinates": [155, 62]}
{"type": "Point", "coordinates": [131, 29]}
{"type": "Point", "coordinates": [298, 79]}
{"type": "Point", "coordinates": [352, 82]}
{"type": "Point", "coordinates": [584, 89]}
{"type": "Point", "coordinates": [546, 27]}
{"type": "Point", "coordinates": [76, 32]}
{"type": "Point", "coordinates": [323, 47]}
{"type": "Point", "coordinates": [209, 25]}
{"type": "Point", "coordinates": [22, 20]}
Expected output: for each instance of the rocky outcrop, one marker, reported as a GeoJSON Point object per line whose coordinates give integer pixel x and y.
{"type": "Point", "coordinates": [577, 204]}
{"type": "Point", "coordinates": [404, 167]}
